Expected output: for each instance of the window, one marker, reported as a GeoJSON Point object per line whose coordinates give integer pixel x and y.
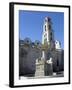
{"type": "Point", "coordinates": [27, 41]}
{"type": "Point", "coordinates": [45, 27]}
{"type": "Point", "coordinates": [49, 26]}
{"type": "Point", "coordinates": [51, 34]}
{"type": "Point", "coordinates": [37, 43]}
{"type": "Point", "coordinates": [45, 40]}
{"type": "Point", "coordinates": [45, 35]}
{"type": "Point", "coordinates": [49, 19]}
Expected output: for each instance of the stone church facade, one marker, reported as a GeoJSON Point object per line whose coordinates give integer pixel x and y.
{"type": "Point", "coordinates": [41, 59]}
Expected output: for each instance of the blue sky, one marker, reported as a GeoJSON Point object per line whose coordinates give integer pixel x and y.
{"type": "Point", "coordinates": [31, 25]}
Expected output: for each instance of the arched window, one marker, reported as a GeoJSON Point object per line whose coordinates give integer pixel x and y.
{"type": "Point", "coordinates": [45, 35]}
{"type": "Point", "coordinates": [45, 27]}
{"type": "Point", "coordinates": [49, 27]}
{"type": "Point", "coordinates": [51, 34]}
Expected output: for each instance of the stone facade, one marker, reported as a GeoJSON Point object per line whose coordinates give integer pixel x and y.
{"type": "Point", "coordinates": [31, 62]}
{"type": "Point", "coordinates": [34, 61]}
{"type": "Point", "coordinates": [27, 58]}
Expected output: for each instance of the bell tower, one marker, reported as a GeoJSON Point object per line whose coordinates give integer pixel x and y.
{"type": "Point", "coordinates": [48, 34]}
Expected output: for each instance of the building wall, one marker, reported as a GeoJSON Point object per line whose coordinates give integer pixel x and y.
{"type": "Point", "coordinates": [28, 66]}
{"type": "Point", "coordinates": [27, 60]}
{"type": "Point", "coordinates": [29, 53]}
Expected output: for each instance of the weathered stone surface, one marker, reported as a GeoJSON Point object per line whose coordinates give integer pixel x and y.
{"type": "Point", "coordinates": [39, 70]}
{"type": "Point", "coordinates": [30, 51]}
{"type": "Point", "coordinates": [58, 60]}
{"type": "Point", "coordinates": [27, 60]}
{"type": "Point", "coordinates": [48, 69]}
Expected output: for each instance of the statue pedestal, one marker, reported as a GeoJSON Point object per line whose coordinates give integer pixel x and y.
{"type": "Point", "coordinates": [39, 69]}
{"type": "Point", "coordinates": [48, 67]}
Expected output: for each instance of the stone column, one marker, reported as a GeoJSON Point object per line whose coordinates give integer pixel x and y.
{"type": "Point", "coordinates": [43, 55]}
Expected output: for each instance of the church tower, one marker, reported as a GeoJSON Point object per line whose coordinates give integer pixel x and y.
{"type": "Point", "coordinates": [48, 34]}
